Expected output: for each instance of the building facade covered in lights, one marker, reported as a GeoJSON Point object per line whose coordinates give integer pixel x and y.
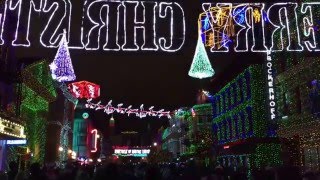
{"type": "Point", "coordinates": [200, 121]}
{"type": "Point", "coordinates": [38, 92]}
{"type": "Point", "coordinates": [243, 135]}
{"type": "Point", "coordinates": [173, 137]}
{"type": "Point", "coordinates": [298, 108]}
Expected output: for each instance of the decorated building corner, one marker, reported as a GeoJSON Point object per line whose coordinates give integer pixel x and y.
{"type": "Point", "coordinates": [37, 92]}
{"type": "Point", "coordinates": [240, 117]}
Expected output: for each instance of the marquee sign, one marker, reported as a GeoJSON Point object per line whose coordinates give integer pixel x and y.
{"type": "Point", "coordinates": [132, 152]}
{"type": "Point", "coordinates": [111, 25]}
{"type": "Point", "coordinates": [11, 129]}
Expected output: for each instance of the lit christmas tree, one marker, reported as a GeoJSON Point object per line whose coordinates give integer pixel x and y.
{"type": "Point", "coordinates": [61, 67]}
{"type": "Point", "coordinates": [201, 66]}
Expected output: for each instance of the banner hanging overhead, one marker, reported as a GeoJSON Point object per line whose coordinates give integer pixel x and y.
{"type": "Point", "coordinates": [160, 26]}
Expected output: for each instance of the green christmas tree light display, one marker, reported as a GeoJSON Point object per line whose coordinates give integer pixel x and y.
{"type": "Point", "coordinates": [201, 66]}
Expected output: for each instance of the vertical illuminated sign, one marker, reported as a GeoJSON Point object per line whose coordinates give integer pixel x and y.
{"type": "Point", "coordinates": [270, 87]}
{"type": "Point", "coordinates": [94, 137]}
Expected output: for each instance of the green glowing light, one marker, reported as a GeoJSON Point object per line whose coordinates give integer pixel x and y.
{"type": "Point", "coordinates": [201, 66]}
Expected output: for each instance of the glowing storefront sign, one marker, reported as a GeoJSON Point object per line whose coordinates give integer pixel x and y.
{"type": "Point", "coordinates": [161, 25]}
{"type": "Point", "coordinates": [17, 142]}
{"type": "Point", "coordinates": [270, 86]}
{"type": "Point", "coordinates": [11, 129]}
{"type": "Point", "coordinates": [132, 152]}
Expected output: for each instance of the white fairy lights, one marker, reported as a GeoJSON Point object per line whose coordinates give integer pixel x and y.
{"type": "Point", "coordinates": [94, 19]}
{"type": "Point", "coordinates": [141, 113]}
{"type": "Point", "coordinates": [220, 19]}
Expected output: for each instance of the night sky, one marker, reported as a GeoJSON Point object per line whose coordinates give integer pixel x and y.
{"type": "Point", "coordinates": [157, 79]}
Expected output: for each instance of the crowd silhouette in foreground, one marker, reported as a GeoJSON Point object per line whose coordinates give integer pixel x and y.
{"type": "Point", "coordinates": [144, 171]}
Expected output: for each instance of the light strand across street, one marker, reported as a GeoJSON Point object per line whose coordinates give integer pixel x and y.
{"type": "Point", "coordinates": [141, 112]}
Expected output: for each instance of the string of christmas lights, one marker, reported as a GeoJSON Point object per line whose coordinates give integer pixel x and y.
{"type": "Point", "coordinates": [141, 113]}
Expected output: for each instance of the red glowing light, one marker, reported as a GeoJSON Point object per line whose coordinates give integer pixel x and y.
{"type": "Point", "coordinates": [84, 89]}
{"type": "Point", "coordinates": [94, 133]}
{"type": "Point", "coordinates": [226, 147]}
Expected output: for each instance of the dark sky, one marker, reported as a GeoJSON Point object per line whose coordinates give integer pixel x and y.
{"type": "Point", "coordinates": [157, 79]}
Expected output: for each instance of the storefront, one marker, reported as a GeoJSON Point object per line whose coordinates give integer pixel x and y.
{"type": "Point", "coordinates": [13, 142]}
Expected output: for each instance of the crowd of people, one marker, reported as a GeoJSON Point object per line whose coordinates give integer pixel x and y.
{"type": "Point", "coordinates": [116, 171]}
{"type": "Point", "coordinates": [142, 171]}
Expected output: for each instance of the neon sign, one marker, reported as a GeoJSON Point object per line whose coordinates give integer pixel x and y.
{"type": "Point", "coordinates": [270, 86]}
{"type": "Point", "coordinates": [254, 27]}
{"type": "Point", "coordinates": [94, 134]}
{"type": "Point", "coordinates": [132, 152]}
{"type": "Point", "coordinates": [105, 24]}
{"type": "Point", "coordinates": [16, 142]}
{"type": "Point", "coordinates": [10, 128]}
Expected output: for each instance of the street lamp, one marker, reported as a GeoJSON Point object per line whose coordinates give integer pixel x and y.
{"type": "Point", "coordinates": [155, 144]}
{"type": "Point", "coordinates": [60, 149]}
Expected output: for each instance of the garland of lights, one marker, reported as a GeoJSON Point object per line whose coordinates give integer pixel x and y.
{"type": "Point", "coordinates": [109, 109]}
{"type": "Point", "coordinates": [64, 88]}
